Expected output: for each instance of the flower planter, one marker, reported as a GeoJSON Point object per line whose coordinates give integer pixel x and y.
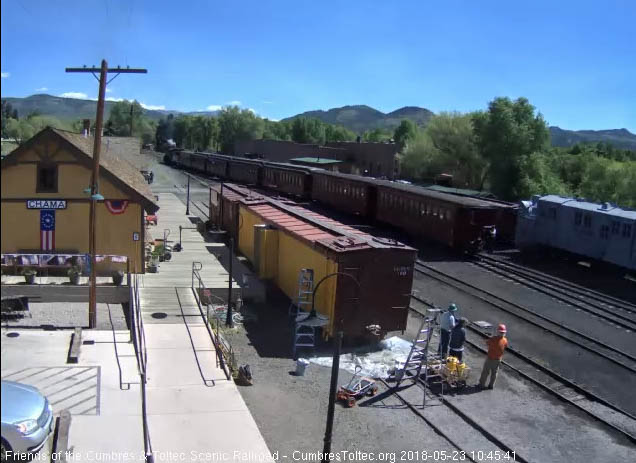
{"type": "Point", "coordinates": [74, 278]}
{"type": "Point", "coordinates": [29, 278]}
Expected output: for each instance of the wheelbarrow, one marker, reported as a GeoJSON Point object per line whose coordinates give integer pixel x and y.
{"type": "Point", "coordinates": [358, 387]}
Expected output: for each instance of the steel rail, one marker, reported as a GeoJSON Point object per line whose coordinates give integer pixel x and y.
{"type": "Point", "coordinates": [535, 282]}
{"type": "Point", "coordinates": [588, 395]}
{"type": "Point", "coordinates": [564, 284]}
{"type": "Point", "coordinates": [455, 282]}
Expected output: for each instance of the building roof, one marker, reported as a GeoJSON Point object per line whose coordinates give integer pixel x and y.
{"type": "Point", "coordinates": [316, 160]}
{"type": "Point", "coordinates": [112, 161]}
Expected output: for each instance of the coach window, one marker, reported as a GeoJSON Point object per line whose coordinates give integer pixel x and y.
{"type": "Point", "coordinates": [627, 230]}
{"type": "Point", "coordinates": [578, 216]}
{"type": "Point", "coordinates": [604, 232]}
{"type": "Point", "coordinates": [587, 221]}
{"type": "Point", "coordinates": [47, 178]}
{"type": "Point", "coordinates": [616, 227]}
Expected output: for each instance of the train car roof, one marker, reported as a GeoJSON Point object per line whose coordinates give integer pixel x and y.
{"type": "Point", "coordinates": [466, 201]}
{"type": "Point", "coordinates": [582, 204]}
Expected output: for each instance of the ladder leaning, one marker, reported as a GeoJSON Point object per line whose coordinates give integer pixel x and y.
{"type": "Point", "coordinates": [421, 357]}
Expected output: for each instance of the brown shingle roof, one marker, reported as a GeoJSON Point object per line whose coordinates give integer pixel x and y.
{"type": "Point", "coordinates": [113, 159]}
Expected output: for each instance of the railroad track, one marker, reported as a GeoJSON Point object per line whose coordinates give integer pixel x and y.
{"type": "Point", "coordinates": [589, 343]}
{"type": "Point", "coordinates": [552, 382]}
{"type": "Point", "coordinates": [465, 454]}
{"type": "Point", "coordinates": [608, 308]}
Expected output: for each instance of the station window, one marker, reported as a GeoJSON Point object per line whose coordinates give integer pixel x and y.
{"type": "Point", "coordinates": [604, 232]}
{"type": "Point", "coordinates": [578, 217]}
{"type": "Point", "coordinates": [627, 230]}
{"type": "Point", "coordinates": [616, 227]}
{"type": "Point", "coordinates": [47, 178]}
{"type": "Point", "coordinates": [587, 221]}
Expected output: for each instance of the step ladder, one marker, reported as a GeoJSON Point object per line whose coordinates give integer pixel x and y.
{"type": "Point", "coordinates": [305, 291]}
{"type": "Point", "coordinates": [421, 356]}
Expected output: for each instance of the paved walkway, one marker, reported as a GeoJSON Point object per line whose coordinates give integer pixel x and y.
{"type": "Point", "coordinates": [192, 407]}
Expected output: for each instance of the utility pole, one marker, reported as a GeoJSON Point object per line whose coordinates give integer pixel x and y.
{"type": "Point", "coordinates": [94, 186]}
{"type": "Point", "coordinates": [228, 319]}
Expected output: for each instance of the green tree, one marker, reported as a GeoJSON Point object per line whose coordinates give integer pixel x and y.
{"type": "Point", "coordinates": [308, 130]}
{"type": "Point", "coordinates": [236, 125]}
{"type": "Point", "coordinates": [376, 135]}
{"type": "Point", "coordinates": [338, 133]}
{"type": "Point", "coordinates": [122, 113]}
{"type": "Point", "coordinates": [505, 133]}
{"type": "Point", "coordinates": [404, 133]}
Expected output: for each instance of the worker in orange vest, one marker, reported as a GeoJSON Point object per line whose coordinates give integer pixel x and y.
{"type": "Point", "coordinates": [496, 346]}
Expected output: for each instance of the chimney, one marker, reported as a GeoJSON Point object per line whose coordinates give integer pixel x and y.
{"type": "Point", "coordinates": [86, 130]}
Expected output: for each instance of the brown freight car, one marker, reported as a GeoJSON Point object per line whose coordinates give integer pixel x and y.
{"type": "Point", "coordinates": [456, 221]}
{"type": "Point", "coordinates": [244, 171]}
{"type": "Point", "coordinates": [344, 192]}
{"type": "Point", "coordinates": [217, 165]}
{"type": "Point", "coordinates": [287, 178]}
{"type": "Point", "coordinates": [376, 299]}
{"type": "Point", "coordinates": [224, 203]}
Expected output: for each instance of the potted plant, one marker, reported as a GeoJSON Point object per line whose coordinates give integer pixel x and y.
{"type": "Point", "coordinates": [153, 263]}
{"type": "Point", "coordinates": [118, 277]}
{"type": "Point", "coordinates": [29, 275]}
{"type": "Point", "coordinates": [74, 274]}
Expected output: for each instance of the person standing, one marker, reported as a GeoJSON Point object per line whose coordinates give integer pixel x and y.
{"type": "Point", "coordinates": [496, 346]}
{"type": "Point", "coordinates": [457, 338]}
{"type": "Point", "coordinates": [447, 323]}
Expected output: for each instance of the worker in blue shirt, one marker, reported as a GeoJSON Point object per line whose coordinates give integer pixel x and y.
{"type": "Point", "coordinates": [447, 323]}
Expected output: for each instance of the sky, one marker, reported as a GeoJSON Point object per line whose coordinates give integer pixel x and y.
{"type": "Point", "coordinates": [575, 60]}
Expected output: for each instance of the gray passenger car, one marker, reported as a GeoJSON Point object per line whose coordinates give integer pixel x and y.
{"type": "Point", "coordinates": [603, 232]}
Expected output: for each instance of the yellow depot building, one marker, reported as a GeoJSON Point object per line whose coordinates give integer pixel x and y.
{"type": "Point", "coordinates": [45, 209]}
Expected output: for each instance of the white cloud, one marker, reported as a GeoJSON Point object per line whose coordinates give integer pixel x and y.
{"type": "Point", "coordinates": [152, 107]}
{"type": "Point", "coordinates": [78, 95]}
{"type": "Point", "coordinates": [267, 102]}
{"type": "Point", "coordinates": [111, 98]}
{"type": "Point", "coordinates": [252, 110]}
{"type": "Point", "coordinates": [41, 89]}
{"type": "Point", "coordinates": [214, 107]}
{"type": "Point", "coordinates": [6, 75]}
{"type": "Point", "coordinates": [233, 103]}
{"type": "Point", "coordinates": [108, 90]}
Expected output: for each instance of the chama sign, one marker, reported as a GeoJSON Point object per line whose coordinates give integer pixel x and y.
{"type": "Point", "coordinates": [46, 204]}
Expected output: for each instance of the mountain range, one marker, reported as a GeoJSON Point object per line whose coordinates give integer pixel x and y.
{"type": "Point", "coordinates": [358, 118]}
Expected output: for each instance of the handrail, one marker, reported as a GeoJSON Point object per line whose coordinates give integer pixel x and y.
{"type": "Point", "coordinates": [198, 290]}
{"type": "Point", "coordinates": [139, 342]}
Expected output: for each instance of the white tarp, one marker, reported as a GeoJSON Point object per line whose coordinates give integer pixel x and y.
{"type": "Point", "coordinates": [376, 364]}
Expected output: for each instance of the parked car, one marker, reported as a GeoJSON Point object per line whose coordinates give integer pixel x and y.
{"type": "Point", "coordinates": [27, 419]}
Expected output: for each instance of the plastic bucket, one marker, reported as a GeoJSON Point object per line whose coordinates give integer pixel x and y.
{"type": "Point", "coordinates": [301, 364]}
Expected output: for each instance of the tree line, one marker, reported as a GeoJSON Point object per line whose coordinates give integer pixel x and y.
{"type": "Point", "coordinates": [506, 150]}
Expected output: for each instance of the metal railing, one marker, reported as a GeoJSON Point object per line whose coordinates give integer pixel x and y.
{"type": "Point", "coordinates": [139, 341]}
{"type": "Point", "coordinates": [225, 357]}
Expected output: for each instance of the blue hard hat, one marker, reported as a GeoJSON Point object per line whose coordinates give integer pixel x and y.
{"type": "Point", "coordinates": [452, 307]}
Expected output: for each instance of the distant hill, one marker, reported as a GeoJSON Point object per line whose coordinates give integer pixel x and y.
{"type": "Point", "coordinates": [620, 138]}
{"type": "Point", "coordinates": [73, 108]}
{"type": "Point", "coordinates": [361, 118]}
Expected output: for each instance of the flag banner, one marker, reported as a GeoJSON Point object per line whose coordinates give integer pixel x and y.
{"type": "Point", "coordinates": [47, 229]}
{"type": "Point", "coordinates": [120, 259]}
{"type": "Point", "coordinates": [116, 206]}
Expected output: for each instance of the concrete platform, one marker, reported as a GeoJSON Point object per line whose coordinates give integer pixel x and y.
{"type": "Point", "coordinates": [192, 407]}
{"type": "Point", "coordinates": [213, 257]}
{"type": "Point", "coordinates": [105, 417]}
{"type": "Point", "coordinates": [61, 291]}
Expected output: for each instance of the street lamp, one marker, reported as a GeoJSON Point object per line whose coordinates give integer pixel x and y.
{"type": "Point", "coordinates": [314, 318]}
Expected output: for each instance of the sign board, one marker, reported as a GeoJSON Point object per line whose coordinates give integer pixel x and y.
{"type": "Point", "coordinates": [135, 236]}
{"type": "Point", "coordinates": [46, 204]}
